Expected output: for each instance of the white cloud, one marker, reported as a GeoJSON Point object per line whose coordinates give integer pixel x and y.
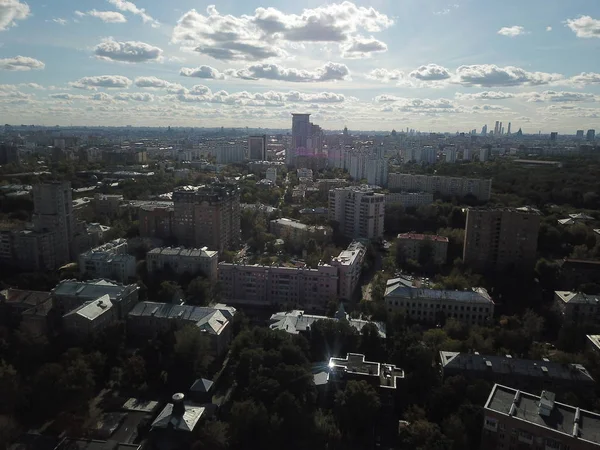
{"type": "Point", "coordinates": [157, 83]}
{"type": "Point", "coordinates": [486, 95]}
{"type": "Point", "coordinates": [385, 75]}
{"type": "Point", "coordinates": [60, 21]}
{"type": "Point", "coordinates": [102, 81]}
{"type": "Point", "coordinates": [548, 28]}
{"type": "Point", "coordinates": [360, 47]}
{"type": "Point", "coordinates": [135, 96]}
{"type": "Point", "coordinates": [79, 13]}
{"type": "Point", "coordinates": [21, 63]}
{"type": "Point", "coordinates": [11, 11]}
{"type": "Point", "coordinates": [34, 86]}
{"type": "Point", "coordinates": [484, 108]}
{"type": "Point", "coordinates": [125, 6]}
{"type": "Point", "coordinates": [105, 16]}
{"type": "Point", "coordinates": [203, 94]}
{"type": "Point", "coordinates": [559, 97]}
{"type": "Point", "coordinates": [513, 31]}
{"type": "Point", "coordinates": [259, 37]}
{"type": "Point", "coordinates": [67, 96]}
{"type": "Point", "coordinates": [489, 75]}
{"type": "Point", "coordinates": [101, 97]}
{"type": "Point", "coordinates": [402, 104]}
{"type": "Point", "coordinates": [329, 72]}
{"type": "Point", "coordinates": [129, 52]}
{"type": "Point", "coordinates": [585, 27]}
{"type": "Point", "coordinates": [430, 72]}
{"type": "Point", "coordinates": [585, 78]}
{"type": "Point", "coordinates": [205, 72]}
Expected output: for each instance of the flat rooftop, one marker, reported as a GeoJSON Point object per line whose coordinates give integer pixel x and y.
{"type": "Point", "coordinates": [354, 363]}
{"type": "Point", "coordinates": [563, 419]}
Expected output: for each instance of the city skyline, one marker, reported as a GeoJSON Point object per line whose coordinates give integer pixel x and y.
{"type": "Point", "coordinates": [369, 65]}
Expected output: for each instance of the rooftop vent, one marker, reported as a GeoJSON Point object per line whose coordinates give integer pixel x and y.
{"type": "Point", "coordinates": [178, 406]}
{"type": "Point", "coordinates": [546, 404]}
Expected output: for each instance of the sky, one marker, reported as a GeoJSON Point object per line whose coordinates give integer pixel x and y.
{"type": "Point", "coordinates": [430, 65]}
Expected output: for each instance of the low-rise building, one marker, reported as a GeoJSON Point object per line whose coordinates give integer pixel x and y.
{"type": "Point", "coordinates": [71, 294]}
{"type": "Point", "coordinates": [518, 419]}
{"type": "Point", "coordinates": [149, 319]}
{"type": "Point", "coordinates": [107, 205]}
{"type": "Point", "coordinates": [109, 261]}
{"type": "Point", "coordinates": [28, 308]}
{"type": "Point", "coordinates": [577, 306]}
{"type": "Point", "coordinates": [271, 174]}
{"type": "Point", "coordinates": [519, 373]}
{"type": "Point", "coordinates": [297, 322]}
{"type": "Point", "coordinates": [472, 307]}
{"type": "Point", "coordinates": [593, 342]}
{"type": "Point", "coordinates": [181, 260]}
{"type": "Point", "coordinates": [349, 264]}
{"type": "Point", "coordinates": [90, 318]}
{"type": "Point", "coordinates": [291, 229]}
{"type": "Point", "coordinates": [409, 199]}
{"type": "Point", "coordinates": [411, 245]}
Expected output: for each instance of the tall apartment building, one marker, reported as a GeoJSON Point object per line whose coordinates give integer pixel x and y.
{"type": "Point", "coordinates": [156, 221]}
{"type": "Point", "coordinates": [53, 211]}
{"type": "Point", "coordinates": [182, 260]}
{"type": "Point", "coordinates": [257, 148]}
{"type": "Point", "coordinates": [450, 154]}
{"type": "Point", "coordinates": [358, 210]}
{"type": "Point", "coordinates": [301, 287]}
{"type": "Point", "coordinates": [207, 216]}
{"type": "Point", "coordinates": [229, 152]}
{"type": "Point", "coordinates": [471, 307]}
{"type": "Point", "coordinates": [369, 164]}
{"type": "Point", "coordinates": [497, 239]}
{"type": "Point", "coordinates": [409, 199]}
{"type": "Point", "coordinates": [425, 155]}
{"type": "Point", "coordinates": [518, 419]}
{"type": "Point", "coordinates": [109, 261]}
{"type": "Point", "coordinates": [446, 186]}
{"type": "Point", "coordinates": [591, 135]}
{"type": "Point", "coordinates": [301, 130]}
{"type": "Point", "coordinates": [411, 246]}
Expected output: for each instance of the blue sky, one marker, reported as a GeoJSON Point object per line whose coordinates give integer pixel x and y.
{"type": "Point", "coordinates": [374, 65]}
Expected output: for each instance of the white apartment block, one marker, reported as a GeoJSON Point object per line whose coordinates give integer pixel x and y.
{"type": "Point", "coordinates": [229, 152]}
{"type": "Point", "coordinates": [409, 199]}
{"type": "Point", "coordinates": [358, 210]}
{"type": "Point", "coordinates": [349, 264]}
{"type": "Point", "coordinates": [426, 155]}
{"type": "Point", "coordinates": [411, 245]}
{"type": "Point", "coordinates": [450, 154]}
{"type": "Point", "coordinates": [272, 174]}
{"type": "Point", "coordinates": [181, 260]}
{"type": "Point", "coordinates": [577, 306]}
{"type": "Point", "coordinates": [109, 261]}
{"type": "Point", "coordinates": [471, 307]}
{"type": "Point", "coordinates": [481, 189]}
{"type": "Point", "coordinates": [368, 164]}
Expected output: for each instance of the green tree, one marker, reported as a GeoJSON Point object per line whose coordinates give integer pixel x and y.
{"type": "Point", "coordinates": [168, 291]}
{"type": "Point", "coordinates": [199, 291]}
{"type": "Point", "coordinates": [193, 351]}
{"type": "Point", "coordinates": [357, 408]}
{"type": "Point", "coordinates": [9, 387]}
{"type": "Point", "coordinates": [250, 425]}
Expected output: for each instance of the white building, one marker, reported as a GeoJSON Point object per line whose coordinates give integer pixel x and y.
{"type": "Point", "coordinates": [484, 155]}
{"type": "Point", "coordinates": [409, 199]}
{"type": "Point", "coordinates": [304, 173]}
{"type": "Point", "coordinates": [450, 154]}
{"type": "Point", "coordinates": [182, 260]}
{"type": "Point", "coordinates": [358, 210]}
{"type": "Point", "coordinates": [229, 152]}
{"type": "Point", "coordinates": [368, 164]}
{"type": "Point", "coordinates": [349, 264]}
{"type": "Point", "coordinates": [472, 307]}
{"type": "Point", "coordinates": [425, 155]}
{"type": "Point", "coordinates": [109, 261]}
{"type": "Point", "coordinates": [90, 318]}
{"type": "Point", "coordinates": [411, 245]}
{"type": "Point", "coordinates": [577, 306]}
{"type": "Point", "coordinates": [272, 174]}
{"type": "Point", "coordinates": [446, 186]}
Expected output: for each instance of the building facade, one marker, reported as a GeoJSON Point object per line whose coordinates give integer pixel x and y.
{"type": "Point", "coordinates": [156, 221]}
{"type": "Point", "coordinates": [229, 152]}
{"type": "Point", "coordinates": [89, 319]}
{"type": "Point", "coordinates": [291, 229]}
{"type": "Point", "coordinates": [409, 199]}
{"type": "Point", "coordinates": [359, 211]}
{"type": "Point", "coordinates": [446, 186]}
{"type": "Point", "coordinates": [471, 307]}
{"type": "Point", "coordinates": [577, 306]}
{"type": "Point", "coordinates": [411, 246]}
{"type": "Point", "coordinates": [257, 148]}
{"type": "Point", "coordinates": [518, 419]}
{"type": "Point", "coordinates": [109, 261]}
{"type": "Point", "coordinates": [208, 216]}
{"type": "Point", "coordinates": [349, 264]}
{"type": "Point", "coordinates": [498, 239]}
{"type": "Point", "coordinates": [182, 260]}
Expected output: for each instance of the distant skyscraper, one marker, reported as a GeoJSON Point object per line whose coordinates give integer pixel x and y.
{"type": "Point", "coordinates": [509, 125]}
{"type": "Point", "coordinates": [553, 136]}
{"type": "Point", "coordinates": [425, 155]}
{"type": "Point", "coordinates": [257, 148]}
{"type": "Point", "coordinates": [496, 132]}
{"type": "Point", "coordinates": [484, 130]}
{"type": "Point", "coordinates": [301, 128]}
{"type": "Point", "coordinates": [591, 135]}
{"type": "Point", "coordinates": [450, 154]}
{"type": "Point", "coordinates": [500, 129]}
{"type": "Point", "coordinates": [484, 154]}
{"type": "Point", "coordinates": [580, 134]}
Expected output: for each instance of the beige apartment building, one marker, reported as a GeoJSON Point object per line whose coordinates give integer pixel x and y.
{"type": "Point", "coordinates": [515, 419]}
{"type": "Point", "coordinates": [207, 216]}
{"type": "Point", "coordinates": [497, 239]}
{"type": "Point", "coordinates": [411, 245]}
{"type": "Point", "coordinates": [359, 211]}
{"type": "Point", "coordinates": [182, 260]}
{"type": "Point", "coordinates": [446, 186]}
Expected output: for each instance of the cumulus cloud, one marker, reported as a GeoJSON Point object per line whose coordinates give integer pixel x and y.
{"type": "Point", "coordinates": [203, 94]}
{"type": "Point", "coordinates": [11, 11]}
{"type": "Point", "coordinates": [562, 96]}
{"type": "Point", "coordinates": [157, 83]}
{"type": "Point", "coordinates": [125, 6]}
{"type": "Point", "coordinates": [486, 95]}
{"type": "Point", "coordinates": [408, 104]}
{"type": "Point", "coordinates": [21, 63]}
{"type": "Point", "coordinates": [489, 75]}
{"type": "Point", "coordinates": [135, 96]}
{"type": "Point", "coordinates": [102, 81]}
{"type": "Point", "coordinates": [101, 97]}
{"type": "Point", "coordinates": [67, 96]}
{"type": "Point", "coordinates": [60, 21]}
{"type": "Point", "coordinates": [585, 27]}
{"type": "Point", "coordinates": [385, 75]}
{"type": "Point", "coordinates": [105, 16]}
{"type": "Point", "coordinates": [259, 36]}
{"type": "Point", "coordinates": [129, 52]}
{"type": "Point", "coordinates": [361, 47]}
{"type": "Point", "coordinates": [329, 72]}
{"type": "Point", "coordinates": [430, 72]}
{"type": "Point", "coordinates": [484, 108]}
{"type": "Point", "coordinates": [205, 72]}
{"type": "Point", "coordinates": [548, 28]}
{"type": "Point", "coordinates": [513, 31]}
{"type": "Point", "coordinates": [585, 78]}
